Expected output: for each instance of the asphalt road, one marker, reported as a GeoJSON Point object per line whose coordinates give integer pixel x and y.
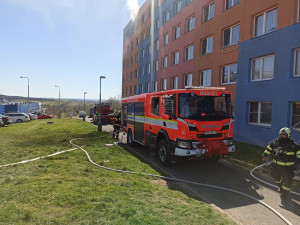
{"type": "Point", "coordinates": [227, 175]}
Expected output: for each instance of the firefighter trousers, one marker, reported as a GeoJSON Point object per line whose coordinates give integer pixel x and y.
{"type": "Point", "coordinates": [283, 176]}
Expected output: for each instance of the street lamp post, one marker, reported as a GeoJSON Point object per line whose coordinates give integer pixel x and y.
{"type": "Point", "coordinates": [84, 105]}
{"type": "Point", "coordinates": [28, 90]}
{"type": "Point", "coordinates": [58, 100]}
{"type": "Point", "coordinates": [99, 122]}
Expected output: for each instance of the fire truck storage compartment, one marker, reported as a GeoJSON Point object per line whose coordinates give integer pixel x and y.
{"type": "Point", "coordinates": [139, 122]}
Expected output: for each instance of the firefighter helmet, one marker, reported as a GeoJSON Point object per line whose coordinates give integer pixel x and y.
{"type": "Point", "coordinates": [286, 131]}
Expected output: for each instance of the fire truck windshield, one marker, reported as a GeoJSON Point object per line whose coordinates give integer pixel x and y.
{"type": "Point", "coordinates": [203, 108]}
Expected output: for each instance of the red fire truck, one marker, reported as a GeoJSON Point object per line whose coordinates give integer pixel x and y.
{"type": "Point", "coordinates": [191, 122]}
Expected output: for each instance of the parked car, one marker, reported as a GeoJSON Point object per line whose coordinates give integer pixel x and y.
{"type": "Point", "coordinates": [1, 123]}
{"type": "Point", "coordinates": [32, 116]}
{"type": "Point", "coordinates": [18, 117]}
{"type": "Point", "coordinates": [5, 119]}
{"type": "Point", "coordinates": [44, 117]}
{"type": "Point", "coordinates": [82, 114]}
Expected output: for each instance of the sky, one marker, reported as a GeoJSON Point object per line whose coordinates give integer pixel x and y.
{"type": "Point", "coordinates": [66, 43]}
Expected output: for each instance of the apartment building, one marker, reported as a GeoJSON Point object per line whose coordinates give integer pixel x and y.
{"type": "Point", "coordinates": [250, 47]}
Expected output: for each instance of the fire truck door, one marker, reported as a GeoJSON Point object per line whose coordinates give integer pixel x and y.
{"type": "Point", "coordinates": [139, 122]}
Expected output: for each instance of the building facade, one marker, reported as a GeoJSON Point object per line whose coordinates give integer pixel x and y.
{"type": "Point", "coordinates": [251, 47]}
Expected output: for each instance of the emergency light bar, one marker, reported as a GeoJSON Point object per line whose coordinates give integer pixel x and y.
{"type": "Point", "coordinates": [207, 88]}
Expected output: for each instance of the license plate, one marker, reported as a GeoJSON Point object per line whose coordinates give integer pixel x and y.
{"type": "Point", "coordinates": [210, 132]}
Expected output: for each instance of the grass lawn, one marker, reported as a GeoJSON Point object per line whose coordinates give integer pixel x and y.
{"type": "Point", "coordinates": [248, 153]}
{"type": "Point", "coordinates": [67, 189]}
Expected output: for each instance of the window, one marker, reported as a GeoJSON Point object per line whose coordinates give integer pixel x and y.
{"type": "Point", "coordinates": [177, 6]}
{"type": "Point", "coordinates": [177, 32]}
{"type": "Point", "coordinates": [149, 31]}
{"type": "Point", "coordinates": [209, 12]}
{"type": "Point", "coordinates": [230, 3]}
{"type": "Point", "coordinates": [260, 113]}
{"type": "Point", "coordinates": [166, 39]}
{"type": "Point", "coordinates": [148, 50]}
{"type": "Point", "coordinates": [141, 88]}
{"type": "Point", "coordinates": [175, 58]}
{"type": "Point", "coordinates": [205, 78]}
{"type": "Point", "coordinates": [137, 41]}
{"type": "Point", "coordinates": [155, 66]}
{"type": "Point", "coordinates": [143, 36]}
{"type": "Point", "coordinates": [131, 90]}
{"type": "Point", "coordinates": [148, 68]}
{"type": "Point", "coordinates": [229, 74]}
{"type": "Point", "coordinates": [175, 83]}
{"type": "Point", "coordinates": [188, 80]}
{"type": "Point", "coordinates": [231, 36]}
{"type": "Point", "coordinates": [156, 44]}
{"type": "Point", "coordinates": [296, 115]}
{"type": "Point", "coordinates": [156, 24]}
{"type": "Point", "coordinates": [147, 87]}
{"type": "Point", "coordinates": [143, 53]}
{"type": "Point", "coordinates": [189, 1]}
{"type": "Point", "coordinates": [191, 24]}
{"type": "Point", "coordinates": [142, 71]}
{"type": "Point", "coordinates": [164, 84]}
{"type": "Point", "coordinates": [297, 63]}
{"type": "Point", "coordinates": [136, 73]}
{"type": "Point", "coordinates": [207, 45]}
{"type": "Point", "coordinates": [189, 52]}
{"type": "Point", "coordinates": [143, 18]}
{"type": "Point", "coordinates": [263, 68]}
{"type": "Point", "coordinates": [155, 105]}
{"type": "Point", "coordinates": [135, 89]}
{"type": "Point", "coordinates": [131, 75]}
{"type": "Point", "coordinates": [166, 16]}
{"type": "Point", "coordinates": [266, 22]}
{"type": "Point", "coordinates": [154, 85]}
{"type": "Point", "coordinates": [165, 62]}
{"type": "Point", "coordinates": [298, 10]}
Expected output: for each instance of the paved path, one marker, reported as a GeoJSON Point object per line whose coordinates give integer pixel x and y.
{"type": "Point", "coordinates": [228, 175]}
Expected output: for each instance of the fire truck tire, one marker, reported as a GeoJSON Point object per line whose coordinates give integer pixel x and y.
{"type": "Point", "coordinates": [164, 153]}
{"type": "Point", "coordinates": [130, 141]}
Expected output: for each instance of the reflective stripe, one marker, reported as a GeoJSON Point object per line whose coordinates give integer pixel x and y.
{"type": "Point", "coordinates": [158, 122]}
{"type": "Point", "coordinates": [278, 182]}
{"type": "Point", "coordinates": [267, 152]}
{"type": "Point", "coordinates": [286, 188]}
{"type": "Point", "coordinates": [298, 152]}
{"type": "Point", "coordinates": [269, 147]}
{"type": "Point", "coordinates": [283, 163]}
{"type": "Point", "coordinates": [290, 153]}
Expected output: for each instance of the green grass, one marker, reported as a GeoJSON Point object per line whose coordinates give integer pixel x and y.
{"type": "Point", "coordinates": [248, 153]}
{"type": "Point", "coordinates": [67, 189]}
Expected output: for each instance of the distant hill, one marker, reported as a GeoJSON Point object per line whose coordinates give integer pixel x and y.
{"type": "Point", "coordinates": [24, 99]}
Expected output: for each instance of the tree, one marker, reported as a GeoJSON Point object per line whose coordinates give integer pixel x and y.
{"type": "Point", "coordinates": [116, 102]}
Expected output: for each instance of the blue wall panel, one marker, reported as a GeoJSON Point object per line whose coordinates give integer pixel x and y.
{"type": "Point", "coordinates": [281, 90]}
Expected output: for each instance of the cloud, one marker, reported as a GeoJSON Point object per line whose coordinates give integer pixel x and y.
{"type": "Point", "coordinates": [133, 7]}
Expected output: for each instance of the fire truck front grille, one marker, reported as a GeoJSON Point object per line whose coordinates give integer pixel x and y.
{"type": "Point", "coordinates": [210, 135]}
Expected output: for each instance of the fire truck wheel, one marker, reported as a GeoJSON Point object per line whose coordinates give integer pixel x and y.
{"type": "Point", "coordinates": [164, 153]}
{"type": "Point", "coordinates": [130, 138]}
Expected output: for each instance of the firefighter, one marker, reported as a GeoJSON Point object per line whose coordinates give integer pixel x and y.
{"type": "Point", "coordinates": [286, 156]}
{"type": "Point", "coordinates": [117, 125]}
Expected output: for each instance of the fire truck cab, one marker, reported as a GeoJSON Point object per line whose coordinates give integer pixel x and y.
{"type": "Point", "coordinates": [191, 122]}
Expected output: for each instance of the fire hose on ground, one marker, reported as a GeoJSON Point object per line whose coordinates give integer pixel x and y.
{"type": "Point", "coordinates": [165, 178]}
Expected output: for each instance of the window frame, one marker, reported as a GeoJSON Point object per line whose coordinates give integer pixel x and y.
{"type": "Point", "coordinates": [173, 82]}
{"type": "Point", "coordinates": [264, 22]}
{"type": "Point", "coordinates": [291, 118]}
{"type": "Point", "coordinates": [164, 84]}
{"type": "Point", "coordinates": [226, 6]}
{"type": "Point", "coordinates": [261, 68]}
{"type": "Point", "coordinates": [295, 59]}
{"type": "Point", "coordinates": [187, 53]}
{"type": "Point", "coordinates": [152, 111]}
{"type": "Point", "coordinates": [186, 79]}
{"type": "Point", "coordinates": [206, 53]}
{"type": "Point", "coordinates": [259, 114]}
{"type": "Point", "coordinates": [209, 9]}
{"type": "Point", "coordinates": [229, 82]}
{"type": "Point", "coordinates": [175, 32]}
{"type": "Point", "coordinates": [166, 39]}
{"type": "Point", "coordinates": [202, 77]}
{"type": "Point", "coordinates": [230, 38]}
{"type": "Point", "coordinates": [155, 64]}
{"type": "Point", "coordinates": [166, 15]}
{"type": "Point", "coordinates": [177, 6]}
{"type": "Point", "coordinates": [148, 68]}
{"type": "Point", "coordinates": [164, 62]}
{"type": "Point", "coordinates": [191, 26]}
{"type": "Point", "coordinates": [176, 58]}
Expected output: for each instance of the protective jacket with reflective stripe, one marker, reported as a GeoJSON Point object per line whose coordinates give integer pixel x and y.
{"type": "Point", "coordinates": [286, 151]}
